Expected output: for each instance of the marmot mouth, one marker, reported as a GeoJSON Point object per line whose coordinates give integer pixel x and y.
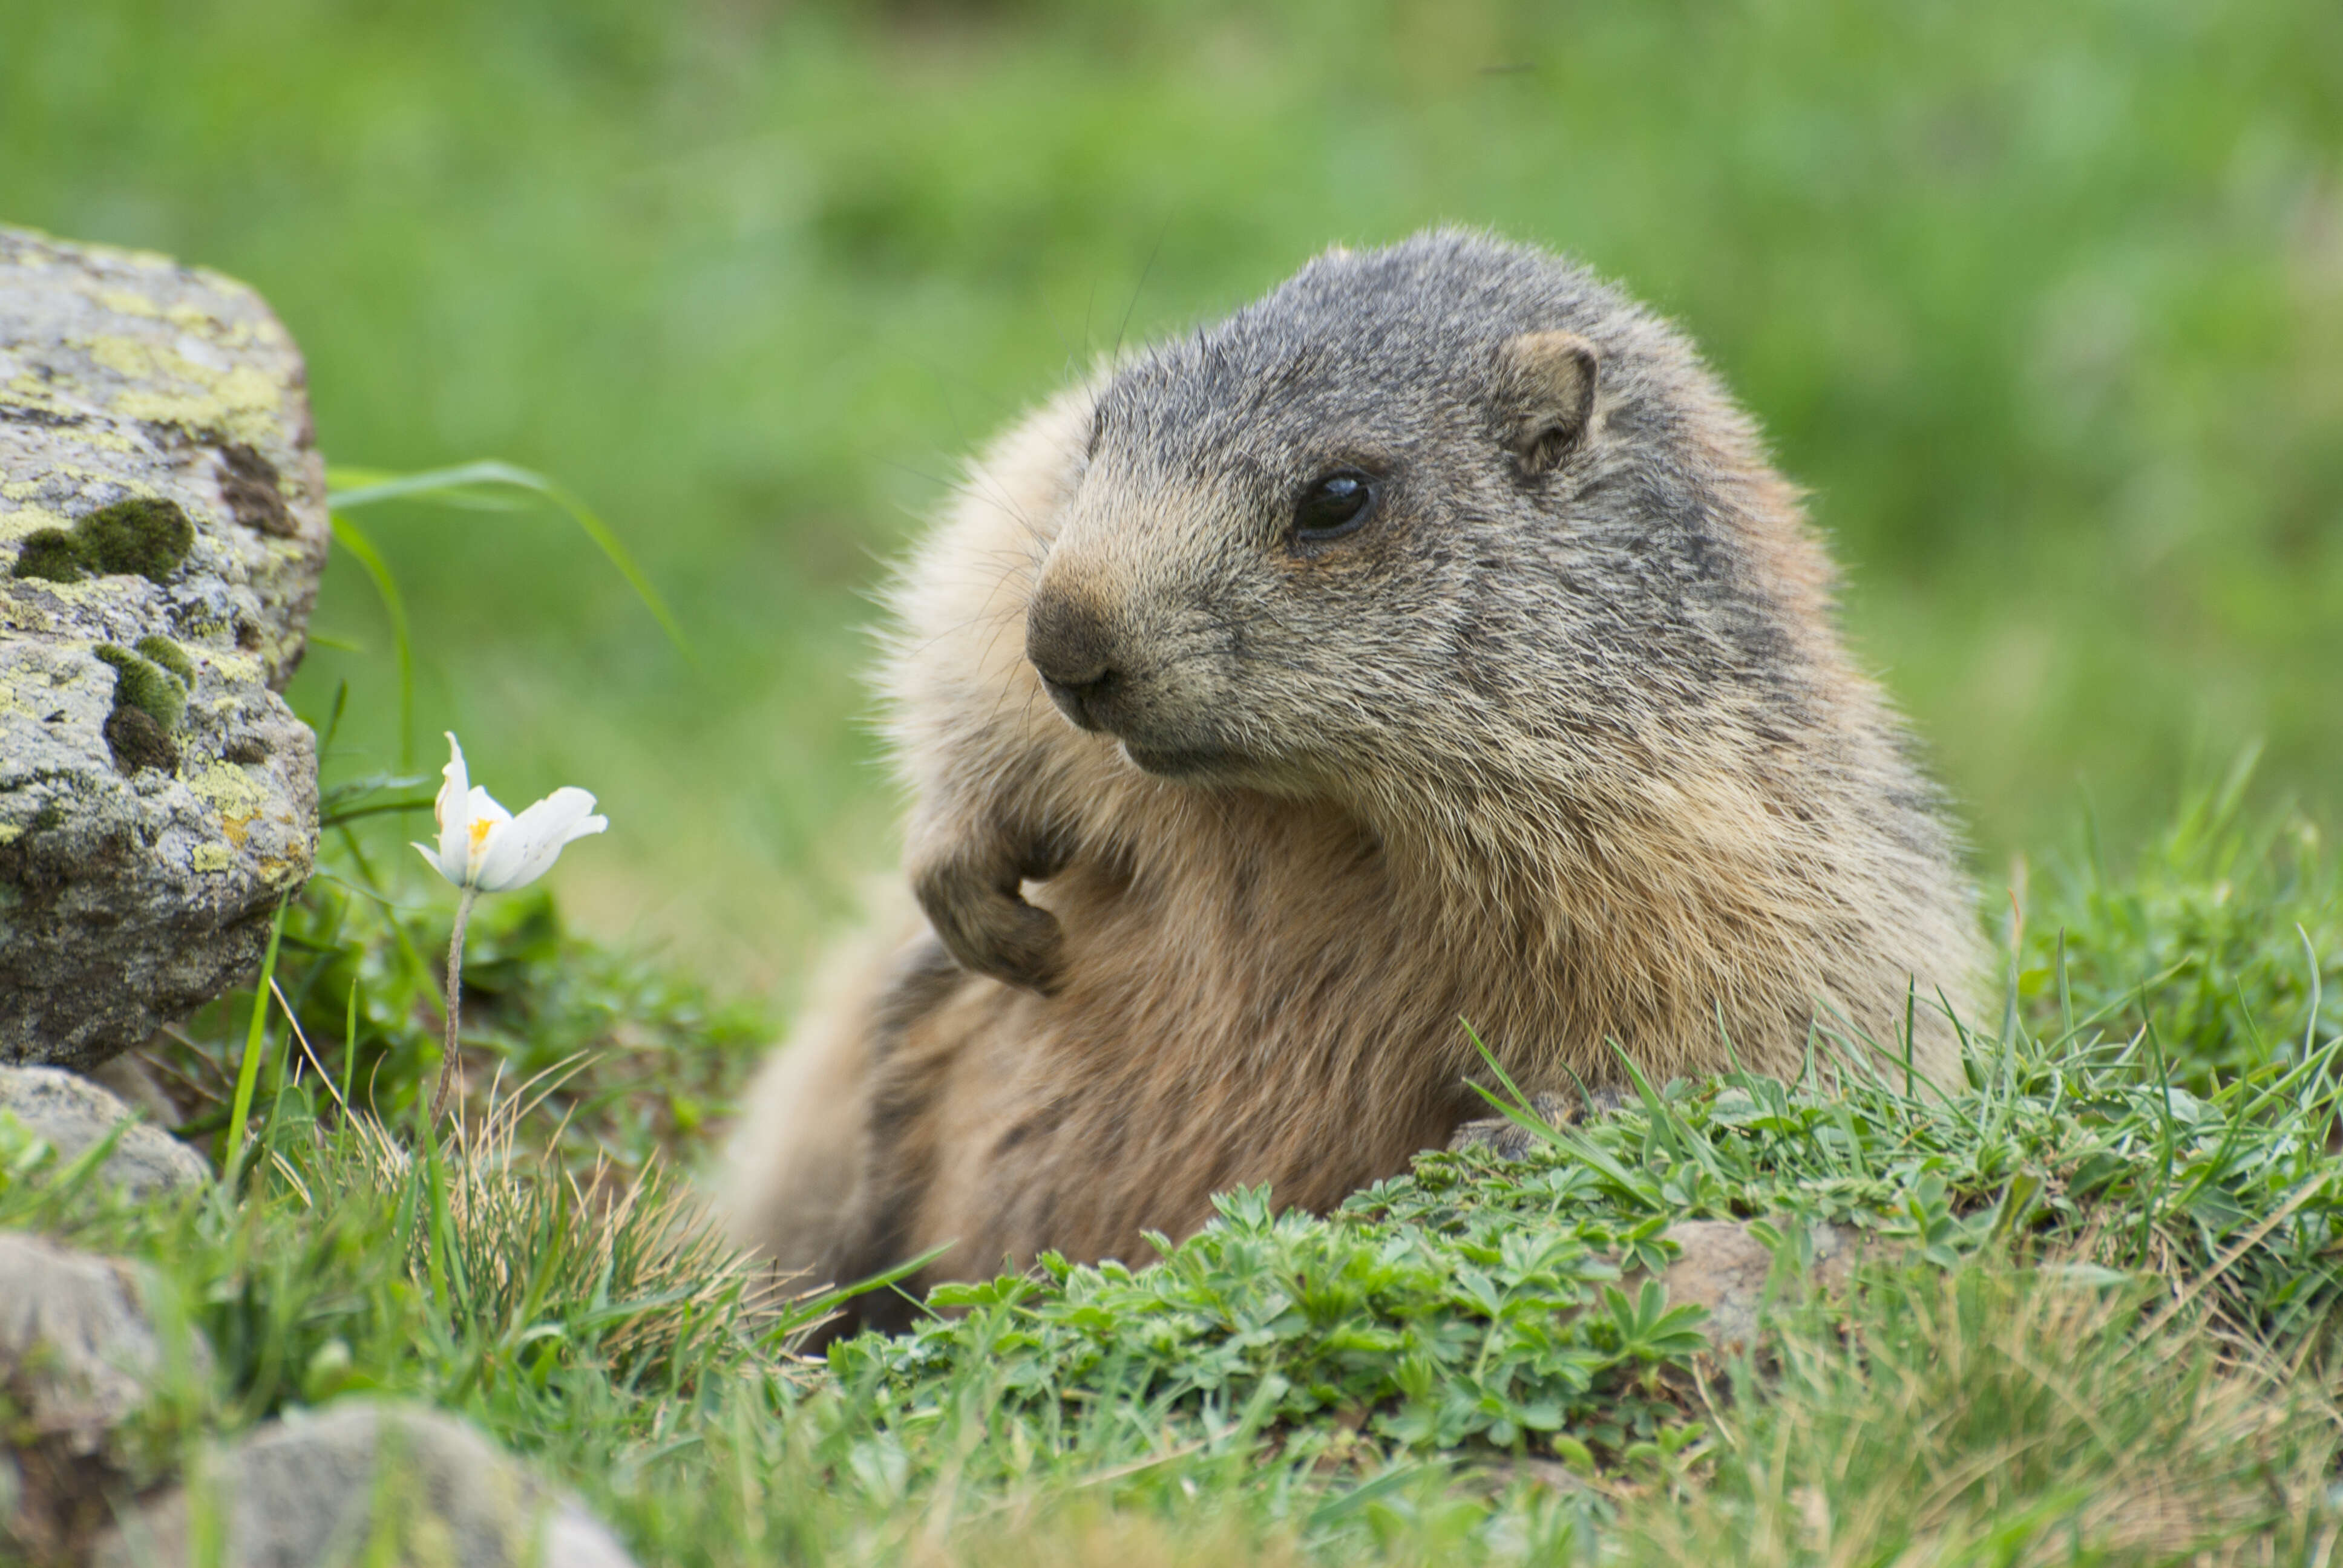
{"type": "Point", "coordinates": [1186, 762]}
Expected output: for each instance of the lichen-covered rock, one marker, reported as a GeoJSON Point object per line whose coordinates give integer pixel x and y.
{"type": "Point", "coordinates": [162, 530]}
{"type": "Point", "coordinates": [69, 1113]}
{"type": "Point", "coordinates": [367, 1481]}
{"type": "Point", "coordinates": [77, 1353]}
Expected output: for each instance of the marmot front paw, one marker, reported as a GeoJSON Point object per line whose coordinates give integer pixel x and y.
{"type": "Point", "coordinates": [974, 900]}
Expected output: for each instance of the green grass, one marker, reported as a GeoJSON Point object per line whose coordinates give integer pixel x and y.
{"type": "Point", "coordinates": [2045, 303]}
{"type": "Point", "coordinates": [2187, 949]}
{"type": "Point", "coordinates": [2097, 1320]}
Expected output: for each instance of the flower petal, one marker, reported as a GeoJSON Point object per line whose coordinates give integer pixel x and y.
{"type": "Point", "coordinates": [526, 847]}
{"type": "Point", "coordinates": [452, 807]}
{"type": "Point", "coordinates": [488, 823]}
{"type": "Point", "coordinates": [430, 856]}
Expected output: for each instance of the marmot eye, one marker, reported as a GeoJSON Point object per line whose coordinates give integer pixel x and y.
{"type": "Point", "coordinates": [1333, 506]}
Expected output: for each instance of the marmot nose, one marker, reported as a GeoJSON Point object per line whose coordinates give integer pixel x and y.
{"type": "Point", "coordinates": [1070, 647]}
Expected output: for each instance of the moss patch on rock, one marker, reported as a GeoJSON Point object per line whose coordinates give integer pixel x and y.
{"type": "Point", "coordinates": [150, 699]}
{"type": "Point", "coordinates": [52, 555]}
{"type": "Point", "coordinates": [162, 651]}
{"type": "Point", "coordinates": [137, 741]}
{"type": "Point", "coordinates": [155, 690]}
{"type": "Point", "coordinates": [146, 536]}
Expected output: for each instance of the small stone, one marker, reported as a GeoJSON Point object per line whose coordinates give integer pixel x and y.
{"type": "Point", "coordinates": [365, 1480]}
{"type": "Point", "coordinates": [77, 1353]}
{"type": "Point", "coordinates": [1725, 1269]}
{"type": "Point", "coordinates": [76, 1350]}
{"type": "Point", "coordinates": [70, 1113]}
{"type": "Point", "coordinates": [130, 1079]}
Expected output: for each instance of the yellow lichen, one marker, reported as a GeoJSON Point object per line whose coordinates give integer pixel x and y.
{"type": "Point", "coordinates": [89, 476]}
{"type": "Point", "coordinates": [26, 392]}
{"type": "Point", "coordinates": [249, 386]}
{"type": "Point", "coordinates": [131, 256]}
{"type": "Point", "coordinates": [212, 857]}
{"type": "Point", "coordinates": [230, 792]}
{"type": "Point", "coordinates": [24, 520]}
{"type": "Point", "coordinates": [243, 402]}
{"type": "Point", "coordinates": [126, 357]}
{"type": "Point", "coordinates": [105, 438]}
{"type": "Point", "coordinates": [123, 301]}
{"type": "Point", "coordinates": [16, 615]}
{"type": "Point", "coordinates": [130, 482]}
{"type": "Point", "coordinates": [235, 667]}
{"type": "Point", "coordinates": [117, 589]}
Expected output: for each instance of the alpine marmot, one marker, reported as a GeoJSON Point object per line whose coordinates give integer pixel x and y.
{"type": "Point", "coordinates": [1429, 644]}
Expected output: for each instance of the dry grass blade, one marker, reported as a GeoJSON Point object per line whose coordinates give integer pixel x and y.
{"type": "Point", "coordinates": [628, 1259]}
{"type": "Point", "coordinates": [2244, 1244]}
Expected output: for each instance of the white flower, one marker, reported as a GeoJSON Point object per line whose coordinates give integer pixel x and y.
{"type": "Point", "coordinates": [485, 849]}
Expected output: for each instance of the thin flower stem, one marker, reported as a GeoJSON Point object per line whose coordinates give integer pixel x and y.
{"type": "Point", "coordinates": [454, 1003]}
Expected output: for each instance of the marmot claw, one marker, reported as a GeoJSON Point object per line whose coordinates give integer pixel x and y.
{"type": "Point", "coordinates": [980, 915]}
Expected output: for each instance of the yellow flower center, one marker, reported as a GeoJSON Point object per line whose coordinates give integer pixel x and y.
{"type": "Point", "coordinates": [480, 826]}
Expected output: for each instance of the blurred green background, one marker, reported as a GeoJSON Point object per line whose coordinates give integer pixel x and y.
{"type": "Point", "coordinates": [2045, 303]}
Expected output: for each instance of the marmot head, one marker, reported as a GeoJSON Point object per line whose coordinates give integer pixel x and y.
{"type": "Point", "coordinates": [1453, 499]}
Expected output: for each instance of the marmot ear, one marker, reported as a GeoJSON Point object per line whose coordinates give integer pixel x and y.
{"type": "Point", "coordinates": [1547, 382]}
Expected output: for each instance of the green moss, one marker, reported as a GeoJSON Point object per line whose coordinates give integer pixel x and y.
{"type": "Point", "coordinates": [162, 651]}
{"type": "Point", "coordinates": [145, 686]}
{"type": "Point", "coordinates": [146, 535]}
{"type": "Point", "coordinates": [52, 553]}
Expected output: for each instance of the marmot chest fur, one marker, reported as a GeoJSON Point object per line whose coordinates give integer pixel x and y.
{"type": "Point", "coordinates": [1430, 643]}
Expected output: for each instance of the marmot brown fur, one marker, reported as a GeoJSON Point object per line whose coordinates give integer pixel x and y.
{"type": "Point", "coordinates": [1430, 641]}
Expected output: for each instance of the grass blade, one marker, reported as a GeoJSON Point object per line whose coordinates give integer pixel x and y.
{"type": "Point", "coordinates": [353, 538]}
{"type": "Point", "coordinates": [247, 1071]}
{"type": "Point", "coordinates": [460, 485]}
